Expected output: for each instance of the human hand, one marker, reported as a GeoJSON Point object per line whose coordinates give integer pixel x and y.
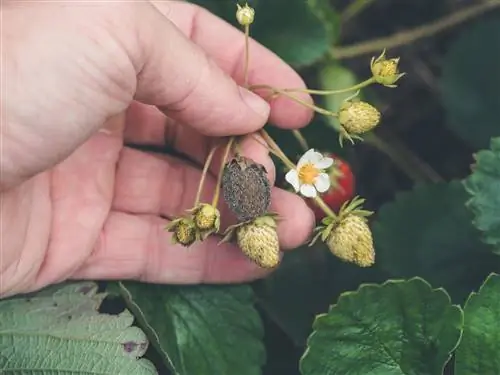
{"type": "Point", "coordinates": [83, 80]}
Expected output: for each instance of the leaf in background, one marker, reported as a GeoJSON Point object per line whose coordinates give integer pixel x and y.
{"type": "Point", "coordinates": [324, 10]}
{"type": "Point", "coordinates": [428, 232]}
{"type": "Point", "coordinates": [484, 187]}
{"type": "Point", "coordinates": [305, 284]}
{"type": "Point", "coordinates": [471, 83]}
{"type": "Point", "coordinates": [334, 76]}
{"type": "Point", "coordinates": [478, 352]}
{"type": "Point", "coordinates": [288, 27]}
{"type": "Point", "coordinates": [397, 328]}
{"type": "Point", "coordinates": [62, 332]}
{"type": "Point", "coordinates": [200, 330]}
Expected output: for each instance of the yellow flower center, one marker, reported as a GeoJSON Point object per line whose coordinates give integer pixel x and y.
{"type": "Point", "coordinates": [308, 174]}
{"type": "Point", "coordinates": [389, 68]}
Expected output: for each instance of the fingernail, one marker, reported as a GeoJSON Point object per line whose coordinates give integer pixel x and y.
{"type": "Point", "coordinates": [255, 102]}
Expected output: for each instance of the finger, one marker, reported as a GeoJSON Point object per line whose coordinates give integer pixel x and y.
{"type": "Point", "coordinates": [225, 45]}
{"type": "Point", "coordinates": [178, 76]}
{"type": "Point", "coordinates": [138, 247]}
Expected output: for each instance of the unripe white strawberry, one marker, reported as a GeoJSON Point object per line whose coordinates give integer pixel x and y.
{"type": "Point", "coordinates": [351, 240]}
{"type": "Point", "coordinates": [358, 117]}
{"type": "Point", "coordinates": [258, 240]}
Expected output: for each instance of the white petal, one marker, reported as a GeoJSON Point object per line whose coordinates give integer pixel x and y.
{"type": "Point", "coordinates": [322, 182]}
{"type": "Point", "coordinates": [324, 163]}
{"type": "Point", "coordinates": [292, 177]}
{"type": "Point", "coordinates": [308, 191]}
{"type": "Point", "coordinates": [311, 156]}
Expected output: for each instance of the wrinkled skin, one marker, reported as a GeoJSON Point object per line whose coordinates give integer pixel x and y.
{"type": "Point", "coordinates": [83, 80]}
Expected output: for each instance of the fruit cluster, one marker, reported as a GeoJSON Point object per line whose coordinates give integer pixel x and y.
{"type": "Point", "coordinates": [325, 180]}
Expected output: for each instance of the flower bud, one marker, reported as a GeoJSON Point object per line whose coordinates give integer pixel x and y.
{"type": "Point", "coordinates": [358, 117]}
{"type": "Point", "coordinates": [385, 71]}
{"type": "Point", "coordinates": [245, 15]}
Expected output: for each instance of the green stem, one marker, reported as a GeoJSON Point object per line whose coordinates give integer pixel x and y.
{"type": "Point", "coordinates": [359, 86]}
{"type": "Point", "coordinates": [282, 156]}
{"type": "Point", "coordinates": [408, 36]}
{"type": "Point", "coordinates": [295, 99]}
{"type": "Point", "coordinates": [208, 161]}
{"type": "Point", "coordinates": [215, 200]}
{"type": "Point", "coordinates": [247, 55]}
{"type": "Point", "coordinates": [300, 138]}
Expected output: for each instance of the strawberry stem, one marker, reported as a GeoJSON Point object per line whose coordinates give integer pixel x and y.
{"type": "Point", "coordinates": [300, 138]}
{"type": "Point", "coordinates": [215, 200]}
{"type": "Point", "coordinates": [359, 86]}
{"type": "Point", "coordinates": [208, 161]}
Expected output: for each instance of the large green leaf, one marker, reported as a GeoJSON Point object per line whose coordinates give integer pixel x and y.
{"type": "Point", "coordinates": [397, 328]}
{"type": "Point", "coordinates": [428, 232]}
{"type": "Point", "coordinates": [62, 332]}
{"type": "Point", "coordinates": [478, 353]}
{"type": "Point", "coordinates": [484, 186]}
{"type": "Point", "coordinates": [200, 330]}
{"type": "Point", "coordinates": [471, 83]}
{"type": "Point", "coordinates": [288, 27]}
{"type": "Point", "coordinates": [305, 284]}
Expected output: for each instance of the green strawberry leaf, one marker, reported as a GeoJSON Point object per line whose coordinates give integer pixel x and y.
{"type": "Point", "coordinates": [60, 331]}
{"type": "Point", "coordinates": [305, 284]}
{"type": "Point", "coordinates": [289, 28]}
{"type": "Point", "coordinates": [397, 328]}
{"type": "Point", "coordinates": [428, 232]}
{"type": "Point", "coordinates": [484, 187]}
{"type": "Point", "coordinates": [200, 330]}
{"type": "Point", "coordinates": [471, 83]}
{"type": "Point", "coordinates": [478, 353]}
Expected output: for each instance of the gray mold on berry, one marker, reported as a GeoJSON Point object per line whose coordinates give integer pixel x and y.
{"type": "Point", "coordinates": [246, 188]}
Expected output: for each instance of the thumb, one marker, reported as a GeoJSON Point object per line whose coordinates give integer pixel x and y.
{"type": "Point", "coordinates": [179, 78]}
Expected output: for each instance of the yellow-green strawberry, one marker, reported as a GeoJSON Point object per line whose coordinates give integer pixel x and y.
{"type": "Point", "coordinates": [258, 240]}
{"type": "Point", "coordinates": [184, 231]}
{"type": "Point", "coordinates": [207, 217]}
{"type": "Point", "coordinates": [358, 117]}
{"type": "Point", "coordinates": [351, 240]}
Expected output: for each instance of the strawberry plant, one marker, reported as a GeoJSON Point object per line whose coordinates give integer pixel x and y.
{"type": "Point", "coordinates": [405, 282]}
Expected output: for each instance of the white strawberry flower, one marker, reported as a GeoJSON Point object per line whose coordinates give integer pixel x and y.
{"type": "Point", "coordinates": [309, 178]}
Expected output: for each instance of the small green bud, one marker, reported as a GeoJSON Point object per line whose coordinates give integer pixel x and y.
{"type": "Point", "coordinates": [385, 71]}
{"type": "Point", "coordinates": [245, 15]}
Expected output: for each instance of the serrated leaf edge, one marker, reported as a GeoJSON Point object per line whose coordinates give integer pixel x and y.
{"type": "Point", "coordinates": [380, 286]}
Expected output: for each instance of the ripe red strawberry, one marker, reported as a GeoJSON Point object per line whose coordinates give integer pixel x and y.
{"type": "Point", "coordinates": [341, 190]}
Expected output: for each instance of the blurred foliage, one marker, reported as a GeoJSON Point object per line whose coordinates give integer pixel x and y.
{"type": "Point", "coordinates": [471, 83]}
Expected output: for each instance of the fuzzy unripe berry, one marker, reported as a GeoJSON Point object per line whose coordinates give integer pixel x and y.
{"type": "Point", "coordinates": [185, 232]}
{"type": "Point", "coordinates": [246, 188]}
{"type": "Point", "coordinates": [351, 240]}
{"type": "Point", "coordinates": [207, 217]}
{"type": "Point", "coordinates": [358, 117]}
{"type": "Point", "coordinates": [259, 242]}
{"type": "Point", "coordinates": [245, 15]}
